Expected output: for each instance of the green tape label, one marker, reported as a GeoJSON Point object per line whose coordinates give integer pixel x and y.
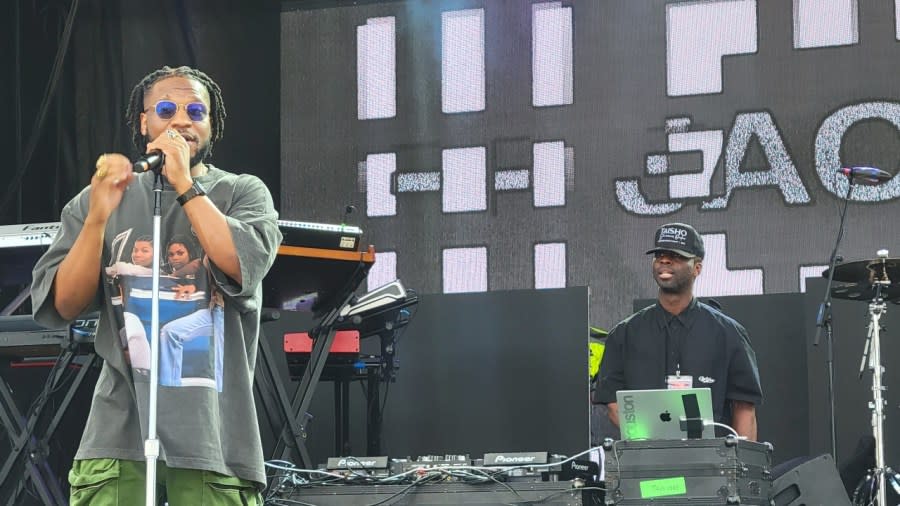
{"type": "Point", "coordinates": [663, 487]}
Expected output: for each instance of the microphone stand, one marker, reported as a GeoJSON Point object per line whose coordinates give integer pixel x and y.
{"type": "Point", "coordinates": [823, 320]}
{"type": "Point", "coordinates": [151, 445]}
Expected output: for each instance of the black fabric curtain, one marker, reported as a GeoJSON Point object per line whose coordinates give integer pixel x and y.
{"type": "Point", "coordinates": [113, 44]}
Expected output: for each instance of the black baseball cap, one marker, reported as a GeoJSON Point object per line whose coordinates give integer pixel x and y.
{"type": "Point", "coordinates": [679, 238]}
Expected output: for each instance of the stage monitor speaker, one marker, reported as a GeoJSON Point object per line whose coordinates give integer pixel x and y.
{"type": "Point", "coordinates": [814, 482]}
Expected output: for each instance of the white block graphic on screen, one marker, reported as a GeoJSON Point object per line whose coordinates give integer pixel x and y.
{"type": "Point", "coordinates": [810, 271]}
{"type": "Point", "coordinates": [376, 79]}
{"type": "Point", "coordinates": [716, 279]}
{"type": "Point", "coordinates": [695, 184]}
{"type": "Point", "coordinates": [549, 174]}
{"type": "Point", "coordinates": [465, 270]}
{"type": "Point", "coordinates": [408, 182]}
{"type": "Point", "coordinates": [511, 180]}
{"type": "Point", "coordinates": [465, 180]}
{"type": "Point", "coordinates": [462, 61]}
{"type": "Point", "coordinates": [698, 35]}
{"type": "Point", "coordinates": [383, 271]}
{"type": "Point", "coordinates": [677, 125]}
{"type": "Point", "coordinates": [379, 199]}
{"type": "Point", "coordinates": [550, 265]}
{"type": "Point", "coordinates": [897, 19]}
{"type": "Point", "coordinates": [552, 174]}
{"type": "Point", "coordinates": [551, 54]}
{"type": "Point", "coordinates": [824, 23]}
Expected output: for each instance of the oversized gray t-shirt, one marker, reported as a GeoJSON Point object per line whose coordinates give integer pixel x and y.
{"type": "Point", "coordinates": [208, 326]}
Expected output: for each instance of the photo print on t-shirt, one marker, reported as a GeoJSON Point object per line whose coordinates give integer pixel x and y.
{"type": "Point", "coordinates": [190, 313]}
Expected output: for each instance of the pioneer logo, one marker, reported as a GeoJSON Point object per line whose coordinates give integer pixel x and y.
{"type": "Point", "coordinates": [513, 458]}
{"type": "Point", "coordinates": [580, 467]}
{"type": "Point", "coordinates": [356, 463]}
{"type": "Point", "coordinates": [502, 459]}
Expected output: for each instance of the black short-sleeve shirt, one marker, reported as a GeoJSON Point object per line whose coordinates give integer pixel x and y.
{"type": "Point", "coordinates": [642, 350]}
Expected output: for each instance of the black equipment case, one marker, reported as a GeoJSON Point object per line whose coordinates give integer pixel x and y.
{"type": "Point", "coordinates": [692, 471]}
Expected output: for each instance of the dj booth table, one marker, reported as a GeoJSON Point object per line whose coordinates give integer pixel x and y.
{"type": "Point", "coordinates": [549, 493]}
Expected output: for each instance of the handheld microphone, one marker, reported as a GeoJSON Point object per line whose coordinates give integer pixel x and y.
{"type": "Point", "coordinates": [151, 161]}
{"type": "Point", "coordinates": [866, 175]}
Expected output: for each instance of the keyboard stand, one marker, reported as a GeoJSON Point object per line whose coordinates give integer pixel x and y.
{"type": "Point", "coordinates": [275, 398]}
{"type": "Point", "coordinates": [23, 433]}
{"type": "Point", "coordinates": [17, 301]}
{"type": "Point", "coordinates": [334, 275]}
{"type": "Point", "coordinates": [323, 335]}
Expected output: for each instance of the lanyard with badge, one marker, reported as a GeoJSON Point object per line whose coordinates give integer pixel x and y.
{"type": "Point", "coordinates": [676, 381]}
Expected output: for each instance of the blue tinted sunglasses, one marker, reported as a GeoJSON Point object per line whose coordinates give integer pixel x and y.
{"type": "Point", "coordinates": [166, 109]}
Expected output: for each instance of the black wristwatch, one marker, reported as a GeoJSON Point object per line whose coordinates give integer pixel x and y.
{"type": "Point", "coordinates": [194, 191]}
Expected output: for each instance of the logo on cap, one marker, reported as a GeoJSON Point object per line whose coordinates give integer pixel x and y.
{"type": "Point", "coordinates": [673, 234]}
{"type": "Point", "coordinates": [680, 238]}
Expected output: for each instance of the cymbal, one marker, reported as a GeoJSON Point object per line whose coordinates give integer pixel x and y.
{"type": "Point", "coordinates": [867, 272]}
{"type": "Point", "coordinates": [865, 291]}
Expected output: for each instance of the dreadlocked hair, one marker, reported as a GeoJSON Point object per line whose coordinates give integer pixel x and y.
{"type": "Point", "coordinates": [136, 103]}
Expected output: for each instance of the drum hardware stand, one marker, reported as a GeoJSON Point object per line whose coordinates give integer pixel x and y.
{"type": "Point", "coordinates": [872, 351]}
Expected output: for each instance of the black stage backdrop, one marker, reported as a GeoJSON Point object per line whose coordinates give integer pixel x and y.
{"type": "Point", "coordinates": [498, 371]}
{"type": "Point", "coordinates": [112, 45]}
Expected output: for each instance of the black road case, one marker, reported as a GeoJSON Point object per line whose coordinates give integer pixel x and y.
{"type": "Point", "coordinates": [693, 471]}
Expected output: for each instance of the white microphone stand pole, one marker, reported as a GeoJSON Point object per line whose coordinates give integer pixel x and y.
{"type": "Point", "coordinates": [151, 445]}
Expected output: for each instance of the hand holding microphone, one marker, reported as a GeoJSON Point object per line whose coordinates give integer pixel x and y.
{"type": "Point", "coordinates": [170, 153]}
{"type": "Point", "coordinates": [866, 175]}
{"type": "Point", "coordinates": [153, 160]}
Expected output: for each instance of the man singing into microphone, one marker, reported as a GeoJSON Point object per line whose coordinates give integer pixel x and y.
{"type": "Point", "coordinates": [211, 451]}
{"type": "Point", "coordinates": [680, 342]}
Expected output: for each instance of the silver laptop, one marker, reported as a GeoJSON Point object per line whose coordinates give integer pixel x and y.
{"type": "Point", "coordinates": [665, 414]}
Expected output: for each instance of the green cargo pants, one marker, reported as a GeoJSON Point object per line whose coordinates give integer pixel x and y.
{"type": "Point", "coordinates": [113, 482]}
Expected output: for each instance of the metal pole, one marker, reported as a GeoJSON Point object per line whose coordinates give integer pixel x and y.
{"type": "Point", "coordinates": [151, 445]}
{"type": "Point", "coordinates": [877, 405]}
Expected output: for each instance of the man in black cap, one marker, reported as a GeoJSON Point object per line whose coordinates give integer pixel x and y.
{"type": "Point", "coordinates": [680, 342]}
